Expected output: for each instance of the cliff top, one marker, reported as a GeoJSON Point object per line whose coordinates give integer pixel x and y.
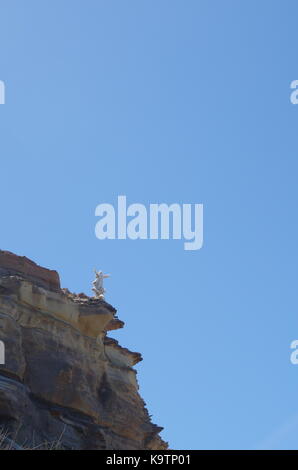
{"type": "Point", "coordinates": [12, 264]}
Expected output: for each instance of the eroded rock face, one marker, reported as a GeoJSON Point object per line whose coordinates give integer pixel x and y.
{"type": "Point", "coordinates": [63, 377]}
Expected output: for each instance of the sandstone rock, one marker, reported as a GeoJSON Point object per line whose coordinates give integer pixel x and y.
{"type": "Point", "coordinates": [63, 377]}
{"type": "Point", "coordinates": [12, 264]}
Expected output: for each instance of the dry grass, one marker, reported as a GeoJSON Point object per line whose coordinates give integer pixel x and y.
{"type": "Point", "coordinates": [8, 442]}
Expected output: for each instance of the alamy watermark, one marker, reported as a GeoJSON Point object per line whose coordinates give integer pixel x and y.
{"type": "Point", "coordinates": [2, 353]}
{"type": "Point", "coordinates": [294, 93]}
{"type": "Point", "coordinates": [159, 221]}
{"type": "Point", "coordinates": [294, 354]}
{"type": "Point", "coordinates": [2, 92]}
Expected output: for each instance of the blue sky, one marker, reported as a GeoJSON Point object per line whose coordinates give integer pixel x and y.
{"type": "Point", "coordinates": [167, 101]}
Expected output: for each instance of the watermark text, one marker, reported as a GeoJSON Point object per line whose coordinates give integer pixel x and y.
{"type": "Point", "coordinates": [2, 92]}
{"type": "Point", "coordinates": [2, 353]}
{"type": "Point", "coordinates": [159, 221]}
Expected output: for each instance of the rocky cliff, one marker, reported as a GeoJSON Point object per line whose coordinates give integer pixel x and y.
{"type": "Point", "coordinates": [64, 378]}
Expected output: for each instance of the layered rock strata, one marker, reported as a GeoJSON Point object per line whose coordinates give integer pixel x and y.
{"type": "Point", "coordinates": [64, 379]}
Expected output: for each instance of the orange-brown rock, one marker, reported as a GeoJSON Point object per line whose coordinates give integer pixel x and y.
{"type": "Point", "coordinates": [63, 377]}
{"type": "Point", "coordinates": [12, 264]}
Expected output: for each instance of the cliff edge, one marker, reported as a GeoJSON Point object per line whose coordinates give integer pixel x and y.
{"type": "Point", "coordinates": [64, 378]}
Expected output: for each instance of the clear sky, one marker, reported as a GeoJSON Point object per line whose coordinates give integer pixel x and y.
{"type": "Point", "coordinates": [167, 101]}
